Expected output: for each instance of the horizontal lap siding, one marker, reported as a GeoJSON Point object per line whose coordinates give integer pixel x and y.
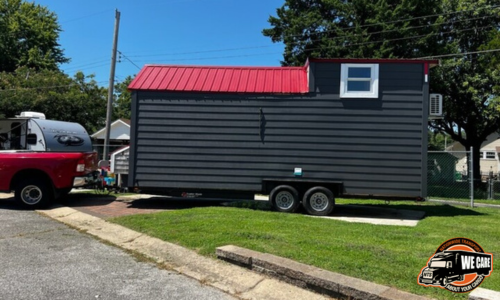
{"type": "Point", "coordinates": [219, 141]}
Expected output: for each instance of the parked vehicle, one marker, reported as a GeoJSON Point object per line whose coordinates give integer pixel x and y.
{"type": "Point", "coordinates": [41, 160]}
{"type": "Point", "coordinates": [448, 266]}
{"type": "Point", "coordinates": [298, 134]}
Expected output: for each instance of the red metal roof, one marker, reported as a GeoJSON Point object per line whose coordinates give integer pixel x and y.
{"type": "Point", "coordinates": [274, 80]}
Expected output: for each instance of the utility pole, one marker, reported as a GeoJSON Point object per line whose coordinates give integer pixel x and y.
{"type": "Point", "coordinates": [111, 86]}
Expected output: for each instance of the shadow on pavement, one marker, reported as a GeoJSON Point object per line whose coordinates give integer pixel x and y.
{"type": "Point", "coordinates": [10, 204]}
{"type": "Point", "coordinates": [83, 199]}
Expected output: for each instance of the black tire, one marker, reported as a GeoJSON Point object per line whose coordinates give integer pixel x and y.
{"type": "Point", "coordinates": [33, 193]}
{"type": "Point", "coordinates": [284, 198]}
{"type": "Point", "coordinates": [318, 201]}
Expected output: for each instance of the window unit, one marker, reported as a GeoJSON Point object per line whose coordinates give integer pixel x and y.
{"type": "Point", "coordinates": [359, 81]}
{"type": "Point", "coordinates": [488, 155]}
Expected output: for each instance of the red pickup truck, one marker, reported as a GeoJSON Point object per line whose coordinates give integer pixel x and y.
{"type": "Point", "coordinates": [42, 160]}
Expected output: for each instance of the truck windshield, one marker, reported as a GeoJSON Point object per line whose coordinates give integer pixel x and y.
{"type": "Point", "coordinates": [438, 264]}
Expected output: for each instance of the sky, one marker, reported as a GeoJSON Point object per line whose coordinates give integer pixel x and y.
{"type": "Point", "coordinates": [173, 32]}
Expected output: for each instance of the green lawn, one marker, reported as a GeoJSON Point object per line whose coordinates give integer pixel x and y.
{"type": "Point", "coordinates": [389, 255]}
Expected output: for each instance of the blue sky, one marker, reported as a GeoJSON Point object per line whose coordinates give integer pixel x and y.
{"type": "Point", "coordinates": [178, 32]}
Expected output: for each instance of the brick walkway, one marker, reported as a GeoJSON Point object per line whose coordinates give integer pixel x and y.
{"type": "Point", "coordinates": [104, 207]}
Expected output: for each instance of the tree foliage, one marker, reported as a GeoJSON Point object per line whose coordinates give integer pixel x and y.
{"type": "Point", "coordinates": [60, 97]}
{"type": "Point", "coordinates": [469, 81]}
{"type": "Point", "coordinates": [28, 37]}
{"type": "Point", "coordinates": [123, 100]}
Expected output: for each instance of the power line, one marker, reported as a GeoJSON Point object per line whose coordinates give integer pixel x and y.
{"type": "Point", "coordinates": [347, 45]}
{"type": "Point", "coordinates": [86, 65]}
{"type": "Point", "coordinates": [124, 56]}
{"type": "Point", "coordinates": [460, 54]}
{"type": "Point", "coordinates": [332, 38]}
{"type": "Point", "coordinates": [402, 20]}
{"type": "Point", "coordinates": [43, 87]}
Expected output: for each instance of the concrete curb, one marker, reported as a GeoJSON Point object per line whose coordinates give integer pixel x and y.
{"type": "Point", "coordinates": [484, 294]}
{"type": "Point", "coordinates": [239, 282]}
{"type": "Point", "coordinates": [308, 277]}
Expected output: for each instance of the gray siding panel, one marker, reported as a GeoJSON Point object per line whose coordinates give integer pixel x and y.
{"type": "Point", "coordinates": [223, 141]}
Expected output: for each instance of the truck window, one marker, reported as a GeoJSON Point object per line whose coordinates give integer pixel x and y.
{"type": "Point", "coordinates": [438, 264]}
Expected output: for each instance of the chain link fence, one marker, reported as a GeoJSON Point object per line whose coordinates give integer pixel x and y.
{"type": "Point", "coordinates": [449, 178]}
{"type": "Point", "coordinates": [448, 175]}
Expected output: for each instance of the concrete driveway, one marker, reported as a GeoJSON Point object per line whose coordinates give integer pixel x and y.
{"type": "Point", "coordinates": [44, 259]}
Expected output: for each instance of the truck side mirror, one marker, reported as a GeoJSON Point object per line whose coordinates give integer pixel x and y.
{"type": "Point", "coordinates": [449, 265]}
{"type": "Point", "coordinates": [31, 139]}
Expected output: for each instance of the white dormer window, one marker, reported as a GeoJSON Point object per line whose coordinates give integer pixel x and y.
{"type": "Point", "coordinates": [359, 81]}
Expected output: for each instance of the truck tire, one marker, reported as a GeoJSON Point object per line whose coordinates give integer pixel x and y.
{"type": "Point", "coordinates": [318, 201]}
{"type": "Point", "coordinates": [284, 198]}
{"type": "Point", "coordinates": [33, 193]}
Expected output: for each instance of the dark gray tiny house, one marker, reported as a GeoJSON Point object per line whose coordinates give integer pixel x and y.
{"type": "Point", "coordinates": [340, 126]}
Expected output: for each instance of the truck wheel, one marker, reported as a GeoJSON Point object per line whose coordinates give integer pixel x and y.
{"type": "Point", "coordinates": [284, 198]}
{"type": "Point", "coordinates": [444, 281]}
{"type": "Point", "coordinates": [33, 193]}
{"type": "Point", "coordinates": [318, 201]}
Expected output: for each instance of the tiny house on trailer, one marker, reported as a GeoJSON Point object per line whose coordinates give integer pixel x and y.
{"type": "Point", "coordinates": [300, 134]}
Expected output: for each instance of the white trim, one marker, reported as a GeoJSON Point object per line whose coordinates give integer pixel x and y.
{"type": "Point", "coordinates": [103, 129]}
{"type": "Point", "coordinates": [113, 158]}
{"type": "Point", "coordinates": [373, 93]}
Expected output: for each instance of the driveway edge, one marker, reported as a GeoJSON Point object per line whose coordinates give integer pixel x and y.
{"type": "Point", "coordinates": [309, 277]}
{"type": "Point", "coordinates": [234, 280]}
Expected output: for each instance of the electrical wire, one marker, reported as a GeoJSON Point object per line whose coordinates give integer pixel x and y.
{"type": "Point", "coordinates": [124, 56]}
{"type": "Point", "coordinates": [341, 36]}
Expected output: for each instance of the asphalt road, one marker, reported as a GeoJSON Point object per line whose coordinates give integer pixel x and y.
{"type": "Point", "coordinates": [43, 259]}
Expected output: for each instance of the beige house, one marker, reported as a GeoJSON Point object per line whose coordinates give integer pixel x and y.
{"type": "Point", "coordinates": [490, 152]}
{"type": "Point", "coordinates": [119, 136]}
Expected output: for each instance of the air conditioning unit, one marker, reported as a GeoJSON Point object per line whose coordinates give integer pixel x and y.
{"type": "Point", "coordinates": [32, 114]}
{"type": "Point", "coordinates": [436, 106]}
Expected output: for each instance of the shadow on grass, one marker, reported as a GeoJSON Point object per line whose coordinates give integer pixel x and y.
{"type": "Point", "coordinates": [171, 203]}
{"type": "Point", "coordinates": [430, 210]}
{"type": "Point", "coordinates": [378, 211]}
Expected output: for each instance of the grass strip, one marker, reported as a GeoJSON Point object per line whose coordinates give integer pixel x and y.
{"type": "Point", "coordinates": [388, 255]}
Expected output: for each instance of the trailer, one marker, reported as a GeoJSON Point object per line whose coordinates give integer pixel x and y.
{"type": "Point", "coordinates": [302, 135]}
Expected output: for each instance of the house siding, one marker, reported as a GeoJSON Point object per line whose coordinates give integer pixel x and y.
{"type": "Point", "coordinates": [233, 141]}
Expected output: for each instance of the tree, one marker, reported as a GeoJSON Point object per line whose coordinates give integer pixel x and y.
{"type": "Point", "coordinates": [54, 93]}
{"type": "Point", "coordinates": [123, 99]}
{"type": "Point", "coordinates": [438, 141]}
{"type": "Point", "coordinates": [28, 37]}
{"type": "Point", "coordinates": [469, 82]}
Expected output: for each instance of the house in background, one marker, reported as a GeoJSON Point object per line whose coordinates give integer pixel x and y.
{"type": "Point", "coordinates": [490, 153]}
{"type": "Point", "coordinates": [119, 136]}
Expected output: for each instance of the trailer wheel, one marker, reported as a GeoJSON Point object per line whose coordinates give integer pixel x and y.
{"type": "Point", "coordinates": [284, 198]}
{"type": "Point", "coordinates": [33, 193]}
{"type": "Point", "coordinates": [318, 201]}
